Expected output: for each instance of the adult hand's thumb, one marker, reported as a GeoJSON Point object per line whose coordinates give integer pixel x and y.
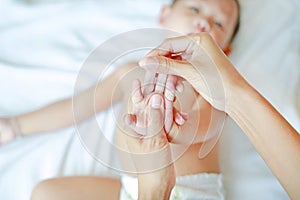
{"type": "Point", "coordinates": [156, 115]}
{"type": "Point", "coordinates": [162, 64]}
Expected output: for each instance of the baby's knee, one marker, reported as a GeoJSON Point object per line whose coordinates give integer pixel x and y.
{"type": "Point", "coordinates": [43, 191]}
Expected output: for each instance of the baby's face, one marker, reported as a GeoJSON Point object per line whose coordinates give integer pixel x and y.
{"type": "Point", "coordinates": [217, 17]}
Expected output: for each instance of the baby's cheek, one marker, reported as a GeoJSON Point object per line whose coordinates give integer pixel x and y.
{"type": "Point", "coordinates": [220, 39]}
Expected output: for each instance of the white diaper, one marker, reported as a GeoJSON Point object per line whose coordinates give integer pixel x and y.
{"type": "Point", "coordinates": [202, 186]}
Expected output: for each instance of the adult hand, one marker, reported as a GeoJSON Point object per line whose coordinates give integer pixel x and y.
{"type": "Point", "coordinates": [8, 130]}
{"type": "Point", "coordinates": [146, 134]}
{"type": "Point", "coordinates": [203, 64]}
{"type": "Point", "coordinates": [145, 119]}
{"type": "Point", "coordinates": [149, 146]}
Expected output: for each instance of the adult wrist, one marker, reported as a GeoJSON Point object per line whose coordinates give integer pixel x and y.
{"type": "Point", "coordinates": [158, 184]}
{"type": "Point", "coordinates": [240, 93]}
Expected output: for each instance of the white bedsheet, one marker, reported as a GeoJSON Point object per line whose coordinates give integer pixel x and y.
{"type": "Point", "coordinates": [43, 45]}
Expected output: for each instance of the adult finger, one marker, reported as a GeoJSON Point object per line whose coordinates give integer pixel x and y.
{"type": "Point", "coordinates": [156, 115]}
{"type": "Point", "coordinates": [149, 82]}
{"type": "Point", "coordinates": [164, 65]}
{"type": "Point", "coordinates": [185, 45]}
{"type": "Point", "coordinates": [172, 46]}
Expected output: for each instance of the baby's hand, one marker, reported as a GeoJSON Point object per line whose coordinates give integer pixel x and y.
{"type": "Point", "coordinates": [138, 104]}
{"type": "Point", "coordinates": [148, 143]}
{"type": "Point", "coordinates": [137, 107]}
{"type": "Point", "coordinates": [166, 85]}
{"type": "Point", "coordinates": [8, 130]}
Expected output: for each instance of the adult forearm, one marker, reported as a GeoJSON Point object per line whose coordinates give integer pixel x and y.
{"type": "Point", "coordinates": [274, 138]}
{"type": "Point", "coordinates": [157, 185]}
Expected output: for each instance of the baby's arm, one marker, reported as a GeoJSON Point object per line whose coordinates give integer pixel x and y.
{"type": "Point", "coordinates": [60, 114]}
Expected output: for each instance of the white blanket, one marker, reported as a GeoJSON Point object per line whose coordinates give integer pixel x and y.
{"type": "Point", "coordinates": [44, 44]}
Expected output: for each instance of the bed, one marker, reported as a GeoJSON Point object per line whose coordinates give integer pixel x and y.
{"type": "Point", "coordinates": [45, 42]}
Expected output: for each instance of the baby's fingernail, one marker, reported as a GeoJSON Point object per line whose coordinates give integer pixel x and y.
{"type": "Point", "coordinates": [148, 63]}
{"type": "Point", "coordinates": [179, 88]}
{"type": "Point", "coordinates": [184, 115]}
{"type": "Point", "coordinates": [179, 119]}
{"type": "Point", "coordinates": [169, 95]}
{"type": "Point", "coordinates": [127, 120]}
{"type": "Point", "coordinates": [156, 101]}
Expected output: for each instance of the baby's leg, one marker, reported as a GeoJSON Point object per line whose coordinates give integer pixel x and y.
{"type": "Point", "coordinates": [77, 188]}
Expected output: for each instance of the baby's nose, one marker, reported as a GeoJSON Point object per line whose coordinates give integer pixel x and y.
{"type": "Point", "coordinates": [203, 25]}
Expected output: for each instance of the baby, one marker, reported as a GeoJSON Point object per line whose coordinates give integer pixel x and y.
{"type": "Point", "coordinates": [195, 177]}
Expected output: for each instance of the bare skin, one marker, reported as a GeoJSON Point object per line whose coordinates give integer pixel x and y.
{"type": "Point", "coordinates": [274, 138]}
{"type": "Point", "coordinates": [196, 128]}
{"type": "Point", "coordinates": [186, 17]}
{"type": "Point", "coordinates": [86, 188]}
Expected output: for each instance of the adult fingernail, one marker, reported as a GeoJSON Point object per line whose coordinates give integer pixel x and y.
{"type": "Point", "coordinates": [156, 101]}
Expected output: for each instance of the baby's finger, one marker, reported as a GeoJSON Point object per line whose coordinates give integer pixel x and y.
{"type": "Point", "coordinates": [180, 119]}
{"type": "Point", "coordinates": [160, 83]}
{"type": "Point", "coordinates": [168, 115]}
{"type": "Point", "coordinates": [130, 120]}
{"type": "Point", "coordinates": [137, 95]}
{"type": "Point", "coordinates": [179, 84]}
{"type": "Point", "coordinates": [170, 97]}
{"type": "Point", "coordinates": [170, 87]}
{"type": "Point", "coordinates": [174, 131]}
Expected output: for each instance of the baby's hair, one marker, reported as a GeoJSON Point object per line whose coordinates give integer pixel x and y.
{"type": "Point", "coordinates": [237, 26]}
